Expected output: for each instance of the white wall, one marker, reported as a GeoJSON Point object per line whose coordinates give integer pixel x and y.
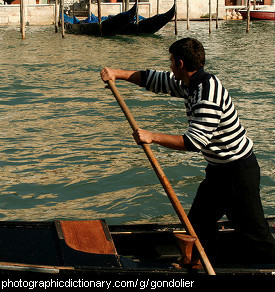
{"type": "Point", "coordinates": [35, 14]}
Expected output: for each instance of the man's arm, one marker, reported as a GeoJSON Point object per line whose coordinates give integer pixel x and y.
{"type": "Point", "coordinates": [113, 74]}
{"type": "Point", "coordinates": [175, 142]}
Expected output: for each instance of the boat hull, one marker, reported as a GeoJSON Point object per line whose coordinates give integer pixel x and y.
{"type": "Point", "coordinates": [111, 26]}
{"type": "Point", "coordinates": [150, 25]}
{"type": "Point", "coordinates": [259, 14]}
{"type": "Point", "coordinates": [122, 24]}
{"type": "Point", "coordinates": [140, 250]}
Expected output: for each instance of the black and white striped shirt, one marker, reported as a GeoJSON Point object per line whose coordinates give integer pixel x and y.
{"type": "Point", "coordinates": [214, 126]}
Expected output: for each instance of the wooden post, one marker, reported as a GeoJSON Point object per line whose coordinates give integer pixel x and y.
{"type": "Point", "coordinates": [56, 15]}
{"type": "Point", "coordinates": [62, 18]}
{"type": "Point", "coordinates": [137, 12]}
{"type": "Point", "coordinates": [99, 15]}
{"type": "Point", "coordinates": [90, 8]}
{"type": "Point", "coordinates": [157, 6]}
{"type": "Point", "coordinates": [217, 14]}
{"type": "Point", "coordinates": [210, 17]}
{"type": "Point", "coordinates": [176, 18]}
{"type": "Point", "coordinates": [22, 19]}
{"type": "Point", "coordinates": [187, 13]}
{"type": "Point", "coordinates": [20, 14]}
{"type": "Point", "coordinates": [126, 5]}
{"type": "Point", "coordinates": [248, 16]}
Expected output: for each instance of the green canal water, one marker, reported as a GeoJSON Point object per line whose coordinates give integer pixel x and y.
{"type": "Point", "coordinates": [66, 150]}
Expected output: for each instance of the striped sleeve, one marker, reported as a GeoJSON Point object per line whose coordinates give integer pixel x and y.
{"type": "Point", "coordinates": [205, 119]}
{"type": "Point", "coordinates": [164, 82]}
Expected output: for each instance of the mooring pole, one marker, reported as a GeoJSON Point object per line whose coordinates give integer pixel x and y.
{"type": "Point", "coordinates": [126, 5]}
{"type": "Point", "coordinates": [210, 17]}
{"type": "Point", "coordinates": [62, 18]}
{"type": "Point", "coordinates": [90, 8]}
{"type": "Point", "coordinates": [248, 16]}
{"type": "Point", "coordinates": [137, 12]}
{"type": "Point", "coordinates": [56, 15]}
{"type": "Point", "coordinates": [176, 18]}
{"type": "Point", "coordinates": [22, 19]}
{"type": "Point", "coordinates": [217, 15]}
{"type": "Point", "coordinates": [99, 15]}
{"type": "Point", "coordinates": [187, 13]}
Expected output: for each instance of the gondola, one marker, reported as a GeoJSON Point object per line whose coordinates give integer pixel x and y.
{"type": "Point", "coordinates": [149, 25]}
{"type": "Point", "coordinates": [120, 24]}
{"type": "Point", "coordinates": [91, 247]}
{"type": "Point", "coordinates": [109, 26]}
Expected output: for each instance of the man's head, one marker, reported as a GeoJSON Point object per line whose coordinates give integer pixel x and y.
{"type": "Point", "coordinates": [188, 52]}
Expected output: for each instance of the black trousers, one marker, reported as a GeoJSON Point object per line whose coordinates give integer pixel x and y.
{"type": "Point", "coordinates": [233, 190]}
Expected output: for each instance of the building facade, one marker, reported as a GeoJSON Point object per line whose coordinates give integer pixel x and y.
{"type": "Point", "coordinates": [42, 12]}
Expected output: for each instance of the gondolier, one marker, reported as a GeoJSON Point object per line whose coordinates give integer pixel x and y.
{"type": "Point", "coordinates": [231, 185]}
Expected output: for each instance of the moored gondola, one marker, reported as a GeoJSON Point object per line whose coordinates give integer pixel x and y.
{"type": "Point", "coordinates": [109, 26]}
{"type": "Point", "coordinates": [121, 24]}
{"type": "Point", "coordinates": [149, 25]}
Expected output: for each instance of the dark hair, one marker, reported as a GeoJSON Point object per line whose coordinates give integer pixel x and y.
{"type": "Point", "coordinates": [190, 51]}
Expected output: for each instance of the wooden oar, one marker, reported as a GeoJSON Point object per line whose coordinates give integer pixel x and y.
{"type": "Point", "coordinates": [164, 181]}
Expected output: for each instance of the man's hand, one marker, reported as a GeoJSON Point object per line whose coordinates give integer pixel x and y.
{"type": "Point", "coordinates": [141, 136]}
{"type": "Point", "coordinates": [108, 74]}
{"type": "Point", "coordinates": [114, 74]}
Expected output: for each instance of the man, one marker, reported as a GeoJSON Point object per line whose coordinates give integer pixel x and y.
{"type": "Point", "coordinates": [231, 185]}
